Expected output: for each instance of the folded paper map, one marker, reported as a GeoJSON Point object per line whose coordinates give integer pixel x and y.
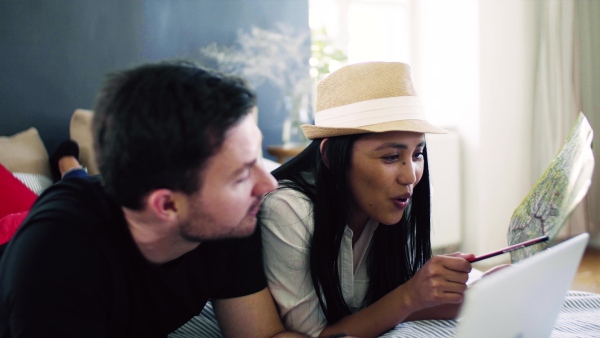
{"type": "Point", "coordinates": [566, 181]}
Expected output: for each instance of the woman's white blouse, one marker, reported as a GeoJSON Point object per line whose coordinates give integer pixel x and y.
{"type": "Point", "coordinates": [287, 227]}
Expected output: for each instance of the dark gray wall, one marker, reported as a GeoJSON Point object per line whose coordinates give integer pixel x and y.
{"type": "Point", "coordinates": [55, 54]}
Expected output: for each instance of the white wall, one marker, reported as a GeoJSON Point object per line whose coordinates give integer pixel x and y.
{"type": "Point", "coordinates": [497, 167]}
{"type": "Point", "coordinates": [474, 71]}
{"type": "Point", "coordinates": [446, 76]}
{"type": "Point", "coordinates": [443, 151]}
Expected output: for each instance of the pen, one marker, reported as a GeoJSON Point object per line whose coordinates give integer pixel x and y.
{"type": "Point", "coordinates": [510, 248]}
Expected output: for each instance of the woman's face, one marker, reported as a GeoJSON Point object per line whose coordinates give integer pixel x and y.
{"type": "Point", "coordinates": [385, 169]}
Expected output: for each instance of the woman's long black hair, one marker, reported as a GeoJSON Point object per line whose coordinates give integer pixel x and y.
{"type": "Point", "coordinates": [398, 250]}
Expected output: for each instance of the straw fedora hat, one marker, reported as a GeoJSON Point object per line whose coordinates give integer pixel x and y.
{"type": "Point", "coordinates": [370, 97]}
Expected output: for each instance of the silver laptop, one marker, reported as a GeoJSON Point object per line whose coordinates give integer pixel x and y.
{"type": "Point", "coordinates": [523, 300]}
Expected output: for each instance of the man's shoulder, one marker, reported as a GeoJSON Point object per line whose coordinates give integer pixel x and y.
{"type": "Point", "coordinates": [75, 209]}
{"type": "Point", "coordinates": [75, 197]}
{"type": "Point", "coordinates": [82, 187]}
{"type": "Point", "coordinates": [61, 235]}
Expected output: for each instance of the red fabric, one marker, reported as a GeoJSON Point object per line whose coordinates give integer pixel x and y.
{"type": "Point", "coordinates": [9, 225]}
{"type": "Point", "coordinates": [14, 195]}
{"type": "Point", "coordinates": [15, 198]}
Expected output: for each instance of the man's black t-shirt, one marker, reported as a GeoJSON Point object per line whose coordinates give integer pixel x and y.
{"type": "Point", "coordinates": [73, 270]}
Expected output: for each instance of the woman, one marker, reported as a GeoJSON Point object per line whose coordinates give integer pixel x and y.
{"type": "Point", "coordinates": [346, 237]}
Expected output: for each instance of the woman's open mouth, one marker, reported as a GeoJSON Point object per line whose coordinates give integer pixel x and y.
{"type": "Point", "coordinates": [401, 202]}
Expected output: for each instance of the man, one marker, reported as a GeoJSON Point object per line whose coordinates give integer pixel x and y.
{"type": "Point", "coordinates": [170, 223]}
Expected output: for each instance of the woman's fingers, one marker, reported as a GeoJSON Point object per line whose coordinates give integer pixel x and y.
{"type": "Point", "coordinates": [454, 263]}
{"type": "Point", "coordinates": [461, 255]}
{"type": "Point", "coordinates": [457, 277]}
{"type": "Point", "coordinates": [441, 280]}
{"type": "Point", "coordinates": [447, 292]}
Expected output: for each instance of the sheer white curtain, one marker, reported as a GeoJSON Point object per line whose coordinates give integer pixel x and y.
{"type": "Point", "coordinates": [558, 90]}
{"type": "Point", "coordinates": [588, 12]}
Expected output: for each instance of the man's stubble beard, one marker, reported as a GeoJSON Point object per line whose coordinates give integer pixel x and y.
{"type": "Point", "coordinates": [201, 227]}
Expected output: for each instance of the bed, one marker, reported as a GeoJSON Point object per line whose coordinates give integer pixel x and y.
{"type": "Point", "coordinates": [25, 159]}
{"type": "Point", "coordinates": [579, 317]}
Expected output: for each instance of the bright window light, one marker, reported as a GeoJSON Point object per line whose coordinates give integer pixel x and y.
{"type": "Point", "coordinates": [437, 38]}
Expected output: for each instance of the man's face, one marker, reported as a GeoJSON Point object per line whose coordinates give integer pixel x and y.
{"type": "Point", "coordinates": [232, 186]}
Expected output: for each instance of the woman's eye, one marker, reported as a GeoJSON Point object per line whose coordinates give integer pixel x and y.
{"type": "Point", "coordinates": [391, 158]}
{"type": "Point", "coordinates": [419, 155]}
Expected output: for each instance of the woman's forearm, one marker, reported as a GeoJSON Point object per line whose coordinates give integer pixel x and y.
{"type": "Point", "coordinates": [377, 318]}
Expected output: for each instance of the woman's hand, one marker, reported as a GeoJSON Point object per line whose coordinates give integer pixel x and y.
{"type": "Point", "coordinates": [434, 292]}
{"type": "Point", "coordinates": [441, 280]}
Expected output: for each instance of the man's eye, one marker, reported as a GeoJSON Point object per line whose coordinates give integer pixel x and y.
{"type": "Point", "coordinates": [244, 176]}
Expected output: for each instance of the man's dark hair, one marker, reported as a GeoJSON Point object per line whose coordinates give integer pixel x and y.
{"type": "Point", "coordinates": [155, 126]}
{"type": "Point", "coordinates": [398, 251]}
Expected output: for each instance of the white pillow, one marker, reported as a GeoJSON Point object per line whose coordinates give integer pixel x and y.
{"type": "Point", "coordinates": [35, 182]}
{"type": "Point", "coordinates": [24, 152]}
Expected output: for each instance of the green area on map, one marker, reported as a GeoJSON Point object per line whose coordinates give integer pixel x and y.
{"type": "Point", "coordinates": [547, 207]}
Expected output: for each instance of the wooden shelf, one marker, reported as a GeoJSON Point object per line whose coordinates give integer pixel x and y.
{"type": "Point", "coordinates": [283, 152]}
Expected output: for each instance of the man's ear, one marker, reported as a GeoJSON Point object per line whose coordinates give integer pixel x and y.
{"type": "Point", "coordinates": [323, 154]}
{"type": "Point", "coordinates": [165, 203]}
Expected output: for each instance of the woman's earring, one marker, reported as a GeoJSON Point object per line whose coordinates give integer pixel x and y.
{"type": "Point", "coordinates": [323, 154]}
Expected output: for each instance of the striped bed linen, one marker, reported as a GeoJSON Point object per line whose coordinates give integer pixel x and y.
{"type": "Point", "coordinates": [579, 317]}
{"type": "Point", "coordinates": [35, 182]}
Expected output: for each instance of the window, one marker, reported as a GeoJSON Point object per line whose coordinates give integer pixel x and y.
{"type": "Point", "coordinates": [437, 38]}
{"type": "Point", "coordinates": [365, 29]}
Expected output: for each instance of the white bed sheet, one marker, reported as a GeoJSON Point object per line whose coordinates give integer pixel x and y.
{"type": "Point", "coordinates": [579, 317]}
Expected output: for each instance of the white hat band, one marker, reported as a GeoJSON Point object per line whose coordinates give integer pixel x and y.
{"type": "Point", "coordinates": [370, 112]}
